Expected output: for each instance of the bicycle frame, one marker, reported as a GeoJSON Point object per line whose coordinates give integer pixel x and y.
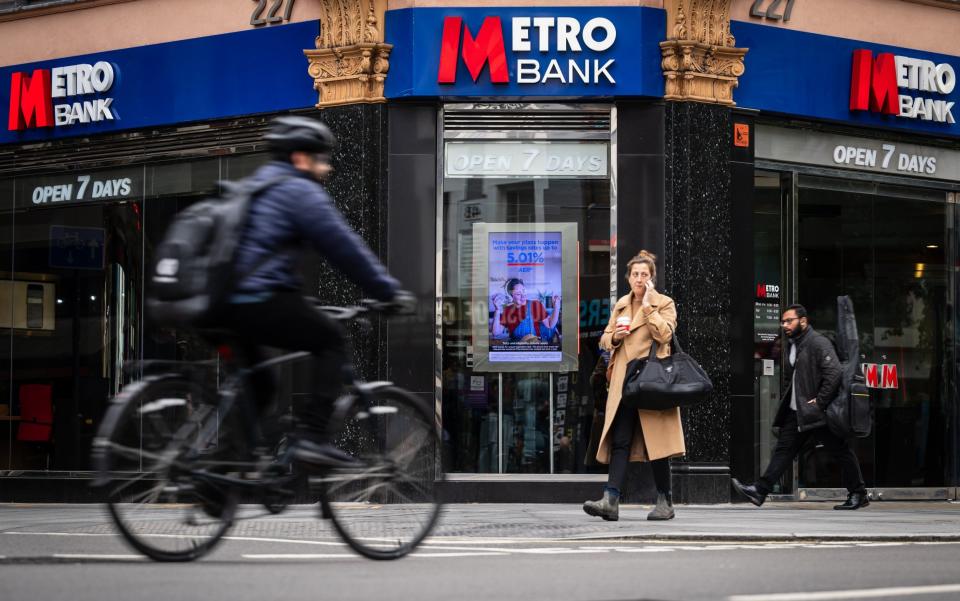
{"type": "Point", "coordinates": [233, 394]}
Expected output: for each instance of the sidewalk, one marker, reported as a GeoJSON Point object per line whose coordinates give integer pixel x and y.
{"type": "Point", "coordinates": [880, 522]}
{"type": "Point", "coordinates": [503, 523]}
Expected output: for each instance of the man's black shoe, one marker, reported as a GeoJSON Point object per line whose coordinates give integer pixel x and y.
{"type": "Point", "coordinates": [749, 491]}
{"type": "Point", "coordinates": [855, 500]}
{"type": "Point", "coordinates": [322, 454]}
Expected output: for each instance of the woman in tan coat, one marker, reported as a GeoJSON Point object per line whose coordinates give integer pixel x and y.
{"type": "Point", "coordinates": [639, 318]}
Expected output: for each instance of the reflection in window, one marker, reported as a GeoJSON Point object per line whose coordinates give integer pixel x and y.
{"type": "Point", "coordinates": [887, 250]}
{"type": "Point", "coordinates": [74, 248]}
{"type": "Point", "coordinates": [520, 422]}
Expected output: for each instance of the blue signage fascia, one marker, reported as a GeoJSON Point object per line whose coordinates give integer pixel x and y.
{"type": "Point", "coordinates": [807, 74]}
{"type": "Point", "coordinates": [416, 35]}
{"type": "Point", "coordinates": [213, 77]}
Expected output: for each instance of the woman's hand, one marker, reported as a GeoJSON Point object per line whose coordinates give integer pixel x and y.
{"type": "Point", "coordinates": [619, 334]}
{"type": "Point", "coordinates": [498, 303]}
{"type": "Point", "coordinates": [646, 294]}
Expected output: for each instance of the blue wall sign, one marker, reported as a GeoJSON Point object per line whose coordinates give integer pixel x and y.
{"type": "Point", "coordinates": [799, 73]}
{"type": "Point", "coordinates": [249, 72]}
{"type": "Point", "coordinates": [563, 52]}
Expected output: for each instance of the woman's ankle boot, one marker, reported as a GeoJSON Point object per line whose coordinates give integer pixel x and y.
{"type": "Point", "coordinates": [664, 508]}
{"type": "Point", "coordinates": [607, 508]}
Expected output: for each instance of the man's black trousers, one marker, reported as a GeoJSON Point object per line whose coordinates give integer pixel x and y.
{"type": "Point", "coordinates": [791, 442]}
{"type": "Point", "coordinates": [288, 321]}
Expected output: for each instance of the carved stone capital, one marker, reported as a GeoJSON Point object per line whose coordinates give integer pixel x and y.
{"type": "Point", "coordinates": [350, 62]}
{"type": "Point", "coordinates": [699, 60]}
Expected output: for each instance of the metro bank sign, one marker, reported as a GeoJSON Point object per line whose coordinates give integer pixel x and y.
{"type": "Point", "coordinates": [566, 35]}
{"type": "Point", "coordinates": [876, 82]}
{"type": "Point", "coordinates": [55, 97]}
{"type": "Point", "coordinates": [525, 51]}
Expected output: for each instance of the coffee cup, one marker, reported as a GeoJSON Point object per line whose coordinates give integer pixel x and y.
{"type": "Point", "coordinates": [623, 323]}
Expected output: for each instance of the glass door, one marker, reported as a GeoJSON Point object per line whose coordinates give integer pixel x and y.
{"type": "Point", "coordinates": [886, 247]}
{"type": "Point", "coordinates": [770, 194]}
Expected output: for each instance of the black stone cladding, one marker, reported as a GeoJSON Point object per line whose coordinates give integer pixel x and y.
{"type": "Point", "coordinates": [697, 260]}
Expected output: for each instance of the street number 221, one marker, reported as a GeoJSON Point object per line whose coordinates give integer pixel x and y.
{"type": "Point", "coordinates": [771, 13]}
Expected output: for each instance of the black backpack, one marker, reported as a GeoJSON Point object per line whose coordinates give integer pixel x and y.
{"type": "Point", "coordinates": [848, 414]}
{"type": "Point", "coordinates": [193, 273]}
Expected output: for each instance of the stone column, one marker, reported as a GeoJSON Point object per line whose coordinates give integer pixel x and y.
{"type": "Point", "coordinates": [350, 62]}
{"type": "Point", "coordinates": [703, 260]}
{"type": "Point", "coordinates": [349, 67]}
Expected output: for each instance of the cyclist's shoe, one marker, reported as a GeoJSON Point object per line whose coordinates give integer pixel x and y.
{"type": "Point", "coordinates": [322, 454]}
{"type": "Point", "coordinates": [212, 499]}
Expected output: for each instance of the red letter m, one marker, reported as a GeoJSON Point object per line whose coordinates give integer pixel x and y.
{"type": "Point", "coordinates": [30, 104]}
{"type": "Point", "coordinates": [486, 48]}
{"type": "Point", "coordinates": [888, 377]}
{"type": "Point", "coordinates": [873, 84]}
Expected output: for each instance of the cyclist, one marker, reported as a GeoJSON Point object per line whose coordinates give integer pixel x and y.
{"type": "Point", "coordinates": [266, 307]}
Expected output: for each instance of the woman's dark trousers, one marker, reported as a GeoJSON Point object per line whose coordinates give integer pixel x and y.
{"type": "Point", "coordinates": [791, 442]}
{"type": "Point", "coordinates": [621, 437]}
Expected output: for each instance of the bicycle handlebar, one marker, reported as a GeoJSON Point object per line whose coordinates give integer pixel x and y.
{"type": "Point", "coordinates": [352, 312]}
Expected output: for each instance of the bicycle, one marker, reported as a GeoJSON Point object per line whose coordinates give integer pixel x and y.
{"type": "Point", "coordinates": [175, 456]}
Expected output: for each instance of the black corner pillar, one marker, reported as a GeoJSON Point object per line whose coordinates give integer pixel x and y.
{"type": "Point", "coordinates": [412, 242]}
{"type": "Point", "coordinates": [708, 271]}
{"type": "Point", "coordinates": [359, 189]}
{"type": "Point", "coordinates": [744, 410]}
{"type": "Point", "coordinates": [639, 184]}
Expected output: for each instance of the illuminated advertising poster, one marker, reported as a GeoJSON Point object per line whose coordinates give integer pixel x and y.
{"type": "Point", "coordinates": [526, 276]}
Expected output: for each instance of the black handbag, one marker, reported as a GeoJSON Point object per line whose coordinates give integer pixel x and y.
{"type": "Point", "coordinates": [674, 381]}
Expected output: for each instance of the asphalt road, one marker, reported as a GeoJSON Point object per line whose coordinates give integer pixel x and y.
{"type": "Point", "coordinates": [69, 554]}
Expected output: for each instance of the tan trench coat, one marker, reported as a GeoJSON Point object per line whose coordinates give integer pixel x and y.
{"type": "Point", "coordinates": [660, 433]}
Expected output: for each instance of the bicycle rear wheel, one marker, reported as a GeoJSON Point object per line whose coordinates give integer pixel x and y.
{"type": "Point", "coordinates": [155, 436]}
{"type": "Point", "coordinates": [388, 503]}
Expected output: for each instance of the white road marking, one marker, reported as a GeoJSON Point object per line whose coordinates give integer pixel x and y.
{"type": "Point", "coordinates": [299, 556]}
{"type": "Point", "coordinates": [465, 554]}
{"type": "Point", "coordinates": [866, 593]}
{"type": "Point", "coordinates": [241, 538]}
{"type": "Point", "coordinates": [258, 539]}
{"type": "Point", "coordinates": [104, 556]}
{"type": "Point", "coordinates": [295, 556]}
{"type": "Point", "coordinates": [59, 534]}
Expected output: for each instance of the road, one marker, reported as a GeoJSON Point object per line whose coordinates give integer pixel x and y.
{"type": "Point", "coordinates": [54, 553]}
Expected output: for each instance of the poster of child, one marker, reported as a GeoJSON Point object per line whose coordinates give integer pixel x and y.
{"type": "Point", "coordinates": [525, 296]}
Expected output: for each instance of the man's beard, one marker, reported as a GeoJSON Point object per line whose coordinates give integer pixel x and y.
{"type": "Point", "coordinates": [797, 331]}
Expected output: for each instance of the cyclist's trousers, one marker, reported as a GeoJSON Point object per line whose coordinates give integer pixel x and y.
{"type": "Point", "coordinates": [288, 321]}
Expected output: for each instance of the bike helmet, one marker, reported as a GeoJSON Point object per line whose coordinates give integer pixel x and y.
{"type": "Point", "coordinates": [289, 134]}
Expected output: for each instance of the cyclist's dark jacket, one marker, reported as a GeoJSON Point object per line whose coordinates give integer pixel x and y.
{"type": "Point", "coordinates": [292, 212]}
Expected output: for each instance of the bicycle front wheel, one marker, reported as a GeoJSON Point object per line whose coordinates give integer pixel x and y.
{"type": "Point", "coordinates": [155, 436]}
{"type": "Point", "coordinates": [385, 505]}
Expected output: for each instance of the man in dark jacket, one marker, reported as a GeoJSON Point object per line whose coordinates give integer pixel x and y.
{"type": "Point", "coordinates": [267, 307]}
{"type": "Point", "coordinates": [813, 370]}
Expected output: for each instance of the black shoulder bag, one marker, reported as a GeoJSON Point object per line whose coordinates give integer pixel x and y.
{"type": "Point", "coordinates": [675, 381]}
